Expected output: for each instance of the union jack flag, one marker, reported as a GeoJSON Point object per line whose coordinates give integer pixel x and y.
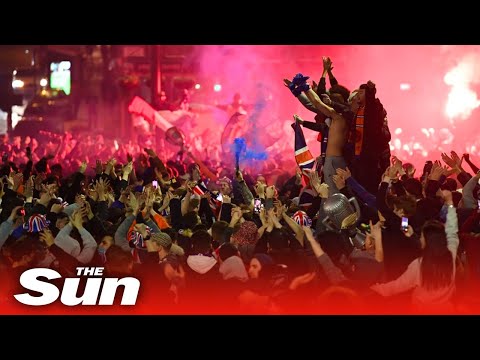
{"type": "Point", "coordinates": [303, 156]}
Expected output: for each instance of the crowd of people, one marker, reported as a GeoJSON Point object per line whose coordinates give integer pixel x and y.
{"type": "Point", "coordinates": [204, 236]}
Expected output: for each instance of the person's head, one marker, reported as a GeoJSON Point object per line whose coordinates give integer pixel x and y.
{"type": "Point", "coordinates": [413, 187]}
{"type": "Point", "coordinates": [227, 250]}
{"type": "Point", "coordinates": [201, 242]}
{"type": "Point", "coordinates": [194, 205]}
{"type": "Point", "coordinates": [162, 243]}
{"type": "Point", "coordinates": [340, 90]}
{"type": "Point", "coordinates": [26, 251]}
{"type": "Point", "coordinates": [278, 241]}
{"type": "Point", "coordinates": [225, 185]}
{"type": "Point", "coordinates": [261, 179]}
{"type": "Point", "coordinates": [260, 266]}
{"type": "Point", "coordinates": [365, 92]}
{"type": "Point", "coordinates": [191, 219]}
{"type": "Point", "coordinates": [62, 220]}
{"type": "Point", "coordinates": [404, 206]}
{"type": "Point", "coordinates": [218, 231]}
{"type": "Point", "coordinates": [437, 260]}
{"type": "Point", "coordinates": [449, 184]}
{"type": "Point", "coordinates": [409, 168]}
{"type": "Point", "coordinates": [119, 262]}
{"type": "Point", "coordinates": [57, 170]}
{"type": "Point", "coordinates": [358, 97]}
{"type": "Point", "coordinates": [106, 243]}
{"type": "Point", "coordinates": [194, 172]}
{"type": "Point", "coordinates": [36, 223]}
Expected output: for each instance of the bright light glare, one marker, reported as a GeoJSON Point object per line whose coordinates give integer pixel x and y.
{"type": "Point", "coordinates": [17, 84]}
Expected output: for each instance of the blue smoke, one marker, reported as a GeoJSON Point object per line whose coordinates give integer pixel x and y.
{"type": "Point", "coordinates": [244, 154]}
{"type": "Point", "coordinates": [255, 151]}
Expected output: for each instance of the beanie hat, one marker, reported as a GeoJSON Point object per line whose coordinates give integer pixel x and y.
{"type": "Point", "coordinates": [162, 239]}
{"type": "Point", "coordinates": [136, 239]}
{"type": "Point", "coordinates": [264, 259]}
{"type": "Point", "coordinates": [302, 219]}
{"type": "Point", "coordinates": [36, 223]}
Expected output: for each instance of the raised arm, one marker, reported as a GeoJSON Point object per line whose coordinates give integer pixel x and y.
{"type": "Point", "coordinates": [333, 273]}
{"type": "Point", "coordinates": [469, 162]}
{"type": "Point", "coordinates": [469, 201]}
{"type": "Point", "coordinates": [451, 225]}
{"type": "Point", "coordinates": [320, 105]}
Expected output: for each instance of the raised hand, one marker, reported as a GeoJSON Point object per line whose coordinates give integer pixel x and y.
{"type": "Point", "coordinates": [17, 180]}
{"type": "Point", "coordinates": [150, 152]}
{"type": "Point", "coordinates": [226, 199]}
{"type": "Point", "coordinates": [344, 173]}
{"type": "Point", "coordinates": [236, 215]}
{"type": "Point", "coordinates": [437, 171]}
{"type": "Point", "coordinates": [449, 161]}
{"type": "Point", "coordinates": [298, 119]}
{"type": "Point", "coordinates": [57, 208]}
{"type": "Point", "coordinates": [128, 168]}
{"type": "Point", "coordinates": [270, 192]}
{"type": "Point", "coordinates": [327, 63]}
{"type": "Point", "coordinates": [301, 280]}
{"type": "Point", "coordinates": [375, 230]}
{"type": "Point", "coordinates": [321, 189]}
{"type": "Point", "coordinates": [77, 219]}
{"type": "Point", "coordinates": [386, 175]}
{"type": "Point", "coordinates": [46, 237]}
{"type": "Point", "coordinates": [260, 188]}
{"type": "Point", "coordinates": [263, 216]}
{"type": "Point", "coordinates": [287, 82]}
{"type": "Point", "coordinates": [339, 181]}
{"type": "Point", "coordinates": [457, 159]}
{"type": "Point", "coordinates": [133, 203]}
{"type": "Point", "coordinates": [87, 211]}
{"type": "Point", "coordinates": [392, 172]}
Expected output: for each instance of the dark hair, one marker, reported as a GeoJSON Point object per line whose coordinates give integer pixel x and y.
{"type": "Point", "coordinates": [341, 90]}
{"type": "Point", "coordinates": [27, 245]}
{"type": "Point", "coordinates": [456, 197]}
{"type": "Point", "coordinates": [118, 261]}
{"type": "Point", "coordinates": [218, 231]}
{"type": "Point", "coordinates": [194, 203]}
{"type": "Point", "coordinates": [278, 240]}
{"type": "Point", "coordinates": [449, 184]}
{"type": "Point", "coordinates": [56, 167]}
{"type": "Point", "coordinates": [201, 242]}
{"type": "Point", "coordinates": [436, 269]}
{"type": "Point", "coordinates": [414, 187]}
{"type": "Point", "coordinates": [190, 220]}
{"type": "Point", "coordinates": [172, 233]}
{"type": "Point", "coordinates": [407, 203]}
{"type": "Point", "coordinates": [227, 250]}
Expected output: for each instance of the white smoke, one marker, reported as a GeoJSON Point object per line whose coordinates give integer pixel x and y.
{"type": "Point", "coordinates": [462, 100]}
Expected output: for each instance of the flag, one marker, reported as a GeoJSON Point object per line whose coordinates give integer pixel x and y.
{"type": "Point", "coordinates": [303, 156]}
{"type": "Point", "coordinates": [215, 204]}
{"type": "Point", "coordinates": [305, 162]}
